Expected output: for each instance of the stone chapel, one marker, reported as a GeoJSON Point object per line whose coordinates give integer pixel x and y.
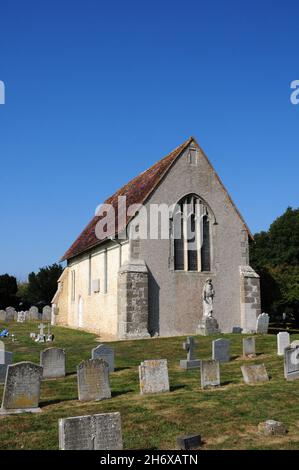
{"type": "Point", "coordinates": [130, 284]}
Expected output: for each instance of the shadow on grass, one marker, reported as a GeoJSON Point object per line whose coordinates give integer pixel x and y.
{"type": "Point", "coordinates": [118, 393]}
{"type": "Point", "coordinates": [118, 369]}
{"type": "Point", "coordinates": [173, 388]}
{"type": "Point", "coordinates": [55, 402]}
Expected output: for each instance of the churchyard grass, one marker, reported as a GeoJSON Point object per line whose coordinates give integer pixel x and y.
{"type": "Point", "coordinates": [226, 417]}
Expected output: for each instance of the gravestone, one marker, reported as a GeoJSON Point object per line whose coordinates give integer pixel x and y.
{"type": "Point", "coordinates": [254, 373]}
{"type": "Point", "coordinates": [41, 337]}
{"type": "Point", "coordinates": [92, 432]}
{"type": "Point", "coordinates": [105, 353]}
{"type": "Point", "coordinates": [190, 362]}
{"type": "Point", "coordinates": [291, 363]}
{"type": "Point", "coordinates": [10, 314]}
{"type": "Point", "coordinates": [262, 324]}
{"type": "Point", "coordinates": [53, 362]}
{"type": "Point", "coordinates": [93, 380]}
{"type": "Point", "coordinates": [249, 347]}
{"type": "Point", "coordinates": [294, 343]}
{"type": "Point", "coordinates": [22, 388]}
{"type": "Point", "coordinates": [153, 376]}
{"type": "Point", "coordinates": [5, 360]}
{"type": "Point", "coordinates": [21, 317]}
{"type": "Point", "coordinates": [47, 311]}
{"type": "Point", "coordinates": [272, 428]}
{"type": "Point", "coordinates": [209, 373]}
{"type": "Point", "coordinates": [283, 341]}
{"type": "Point", "coordinates": [189, 442]}
{"type": "Point", "coordinates": [33, 313]}
{"type": "Point", "coordinates": [2, 315]}
{"type": "Point", "coordinates": [221, 350]}
{"type": "Point", "coordinates": [237, 330]}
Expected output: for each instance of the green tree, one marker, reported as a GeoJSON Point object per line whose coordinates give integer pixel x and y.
{"type": "Point", "coordinates": [8, 290]}
{"type": "Point", "coordinates": [275, 256]}
{"type": "Point", "coordinates": [43, 285]}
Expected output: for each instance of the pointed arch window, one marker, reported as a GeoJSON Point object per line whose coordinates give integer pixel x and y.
{"type": "Point", "coordinates": [191, 235]}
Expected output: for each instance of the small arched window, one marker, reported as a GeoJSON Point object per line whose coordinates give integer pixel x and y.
{"type": "Point", "coordinates": [191, 235]}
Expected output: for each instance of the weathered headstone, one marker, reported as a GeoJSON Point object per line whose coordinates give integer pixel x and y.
{"type": "Point", "coordinates": [254, 373]}
{"type": "Point", "coordinates": [22, 388]}
{"type": "Point", "coordinates": [53, 362]}
{"type": "Point", "coordinates": [291, 363]}
{"type": "Point", "coordinates": [189, 442]}
{"type": "Point", "coordinates": [21, 317]}
{"type": "Point", "coordinates": [283, 341]}
{"type": "Point", "coordinates": [105, 353]}
{"type": "Point", "coordinates": [10, 313]}
{"type": "Point", "coordinates": [209, 373]}
{"type": "Point", "coordinates": [47, 311]}
{"type": "Point", "coordinates": [294, 343]}
{"type": "Point", "coordinates": [190, 362]}
{"type": "Point", "coordinates": [153, 376]}
{"type": "Point", "coordinates": [221, 350]}
{"type": "Point", "coordinates": [2, 315]}
{"type": "Point", "coordinates": [272, 428]}
{"type": "Point", "coordinates": [93, 380]}
{"type": "Point", "coordinates": [249, 346]}
{"type": "Point", "coordinates": [92, 432]}
{"type": "Point", "coordinates": [33, 313]}
{"type": "Point", "coordinates": [262, 324]}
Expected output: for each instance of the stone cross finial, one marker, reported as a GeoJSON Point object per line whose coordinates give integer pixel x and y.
{"type": "Point", "coordinates": [189, 346]}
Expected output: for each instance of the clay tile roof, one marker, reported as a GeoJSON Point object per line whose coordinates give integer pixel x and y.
{"type": "Point", "coordinates": [136, 192]}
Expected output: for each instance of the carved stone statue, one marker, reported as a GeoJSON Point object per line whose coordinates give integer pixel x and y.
{"type": "Point", "coordinates": [208, 294]}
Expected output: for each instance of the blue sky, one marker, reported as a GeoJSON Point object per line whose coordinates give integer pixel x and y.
{"type": "Point", "coordinates": [98, 91]}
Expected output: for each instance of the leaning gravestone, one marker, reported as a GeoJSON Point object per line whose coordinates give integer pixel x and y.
{"type": "Point", "coordinates": [53, 362]}
{"type": "Point", "coordinates": [22, 388]}
{"type": "Point", "coordinates": [190, 362]}
{"type": "Point", "coordinates": [262, 324]}
{"type": "Point", "coordinates": [2, 315]}
{"type": "Point", "coordinates": [283, 341]}
{"type": "Point", "coordinates": [209, 373]}
{"type": "Point", "coordinates": [249, 346]}
{"type": "Point", "coordinates": [254, 373]}
{"type": "Point", "coordinates": [291, 363]}
{"type": "Point", "coordinates": [153, 376]}
{"type": "Point", "coordinates": [93, 380]}
{"type": "Point", "coordinates": [33, 313]}
{"type": "Point", "coordinates": [10, 314]}
{"type": "Point", "coordinates": [105, 353]}
{"type": "Point", "coordinates": [92, 432]}
{"type": "Point", "coordinates": [47, 311]}
{"type": "Point", "coordinates": [221, 350]}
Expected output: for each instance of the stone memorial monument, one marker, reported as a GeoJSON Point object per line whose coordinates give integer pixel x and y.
{"type": "Point", "coordinates": [22, 388]}
{"type": "Point", "coordinates": [92, 432]}
{"type": "Point", "coordinates": [190, 362]}
{"type": "Point", "coordinates": [208, 324]}
{"type": "Point", "coordinates": [93, 380]}
{"type": "Point", "coordinates": [153, 376]}
{"type": "Point", "coordinates": [53, 362]}
{"type": "Point", "coordinates": [105, 353]}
